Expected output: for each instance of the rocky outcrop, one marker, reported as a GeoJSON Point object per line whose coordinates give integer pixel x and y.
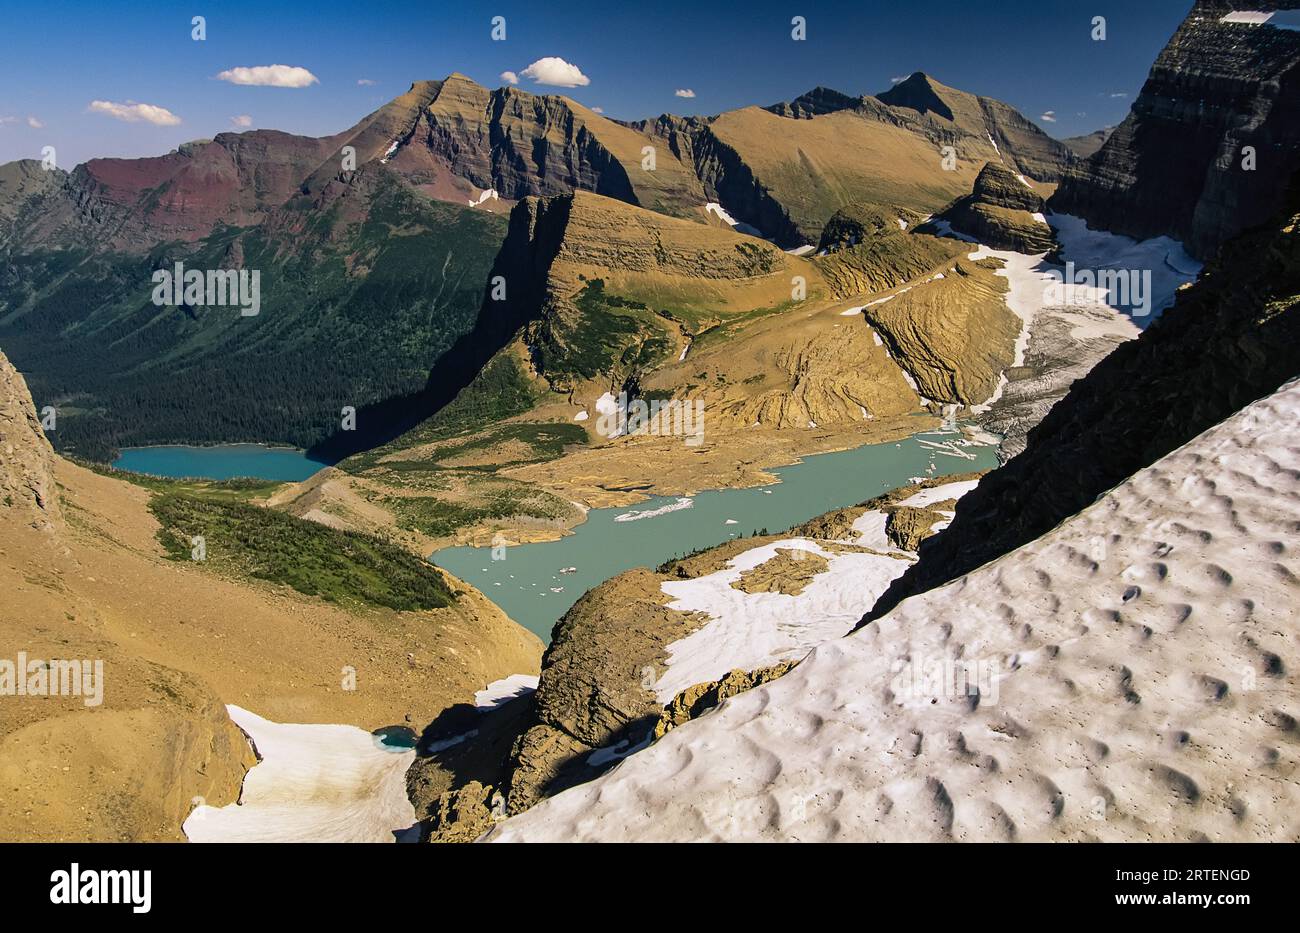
{"type": "Point", "coordinates": [698, 700]}
{"type": "Point", "coordinates": [953, 334]}
{"type": "Point", "coordinates": [1003, 212]}
{"type": "Point", "coordinates": [789, 572]}
{"type": "Point", "coordinates": [1231, 338]}
{"type": "Point", "coordinates": [27, 484]}
{"type": "Point", "coordinates": [907, 525]}
{"type": "Point", "coordinates": [1178, 164]}
{"type": "Point", "coordinates": [610, 287]}
{"type": "Point", "coordinates": [869, 248]}
{"type": "Point", "coordinates": [814, 103]}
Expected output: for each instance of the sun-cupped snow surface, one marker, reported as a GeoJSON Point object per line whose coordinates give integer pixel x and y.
{"type": "Point", "coordinates": [748, 631]}
{"type": "Point", "coordinates": [1131, 675]}
{"type": "Point", "coordinates": [314, 783]}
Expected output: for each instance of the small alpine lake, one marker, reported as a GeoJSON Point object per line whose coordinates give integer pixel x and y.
{"type": "Point", "coordinates": [223, 461]}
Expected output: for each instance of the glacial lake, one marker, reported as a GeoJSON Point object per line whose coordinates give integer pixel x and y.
{"type": "Point", "coordinates": [528, 583]}
{"type": "Point", "coordinates": [225, 461]}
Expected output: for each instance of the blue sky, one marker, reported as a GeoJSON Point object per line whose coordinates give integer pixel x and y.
{"type": "Point", "coordinates": [57, 57]}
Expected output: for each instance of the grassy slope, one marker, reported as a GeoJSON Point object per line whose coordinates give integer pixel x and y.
{"type": "Point", "coordinates": [246, 540]}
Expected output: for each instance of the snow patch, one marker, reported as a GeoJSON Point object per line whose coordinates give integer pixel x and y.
{"type": "Point", "coordinates": [504, 690]}
{"type": "Point", "coordinates": [939, 493]}
{"type": "Point", "coordinates": [747, 631]}
{"type": "Point", "coordinates": [717, 209]}
{"type": "Point", "coordinates": [313, 783]}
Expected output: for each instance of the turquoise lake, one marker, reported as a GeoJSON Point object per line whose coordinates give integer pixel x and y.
{"type": "Point", "coordinates": [225, 461]}
{"type": "Point", "coordinates": [528, 583]}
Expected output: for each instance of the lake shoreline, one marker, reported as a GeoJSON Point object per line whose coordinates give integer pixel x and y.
{"type": "Point", "coordinates": [223, 461]}
{"type": "Point", "coordinates": [533, 583]}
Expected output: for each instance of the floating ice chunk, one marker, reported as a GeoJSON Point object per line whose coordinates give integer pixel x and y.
{"type": "Point", "coordinates": [633, 515]}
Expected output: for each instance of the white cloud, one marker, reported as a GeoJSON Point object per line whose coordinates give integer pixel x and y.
{"type": "Point", "coordinates": [684, 92]}
{"type": "Point", "coordinates": [131, 112]}
{"type": "Point", "coordinates": [1119, 94]}
{"type": "Point", "coordinates": [1049, 117]}
{"type": "Point", "coordinates": [556, 72]}
{"type": "Point", "coordinates": [597, 109]}
{"type": "Point", "coordinates": [509, 77]}
{"type": "Point", "coordinates": [898, 80]}
{"type": "Point", "coordinates": [4, 120]}
{"type": "Point", "coordinates": [270, 76]}
{"type": "Point", "coordinates": [35, 123]}
{"type": "Point", "coordinates": [243, 121]}
{"type": "Point", "coordinates": [366, 82]}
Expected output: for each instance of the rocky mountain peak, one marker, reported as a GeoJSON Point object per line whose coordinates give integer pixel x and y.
{"type": "Point", "coordinates": [921, 93]}
{"type": "Point", "coordinates": [999, 186]}
{"type": "Point", "coordinates": [818, 101]}
{"type": "Point", "coordinates": [1002, 211]}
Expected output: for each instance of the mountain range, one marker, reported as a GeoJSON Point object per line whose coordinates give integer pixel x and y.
{"type": "Point", "coordinates": [388, 259]}
{"type": "Point", "coordinates": [481, 278]}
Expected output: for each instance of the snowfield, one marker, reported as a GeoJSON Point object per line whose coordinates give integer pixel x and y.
{"type": "Point", "coordinates": [312, 783]}
{"type": "Point", "coordinates": [748, 631]}
{"type": "Point", "coordinates": [1134, 678]}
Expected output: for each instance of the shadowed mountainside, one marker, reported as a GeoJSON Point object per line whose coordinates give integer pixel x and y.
{"type": "Point", "coordinates": [1178, 163]}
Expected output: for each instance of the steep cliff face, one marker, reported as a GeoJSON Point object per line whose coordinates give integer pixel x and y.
{"type": "Point", "coordinates": [27, 484]}
{"type": "Point", "coordinates": [614, 289]}
{"type": "Point", "coordinates": [1231, 338]}
{"type": "Point", "coordinates": [1177, 165]}
{"type": "Point", "coordinates": [463, 139]}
